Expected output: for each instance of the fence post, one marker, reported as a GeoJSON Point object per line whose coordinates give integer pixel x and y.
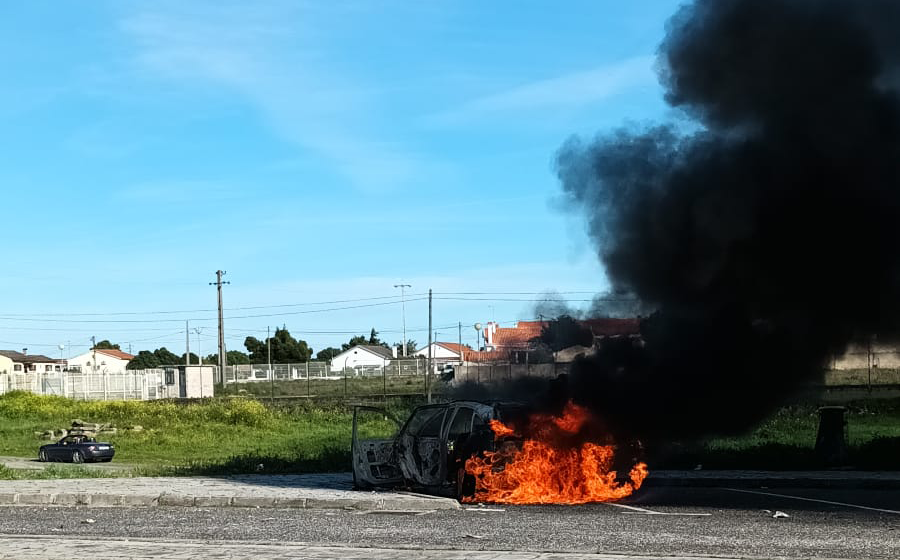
{"type": "Point", "coordinates": [383, 380]}
{"type": "Point", "coordinates": [307, 379]}
{"type": "Point", "coordinates": [344, 371]}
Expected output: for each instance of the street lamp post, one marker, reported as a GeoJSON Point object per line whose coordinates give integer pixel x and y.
{"type": "Point", "coordinates": [403, 311]}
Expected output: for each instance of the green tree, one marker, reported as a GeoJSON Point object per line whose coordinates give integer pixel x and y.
{"type": "Point", "coordinates": [234, 358]}
{"type": "Point", "coordinates": [410, 348]}
{"type": "Point", "coordinates": [143, 360]}
{"type": "Point", "coordinates": [355, 341]}
{"type": "Point", "coordinates": [194, 359]}
{"type": "Point", "coordinates": [327, 353]}
{"type": "Point", "coordinates": [167, 358]}
{"type": "Point", "coordinates": [106, 345]}
{"type": "Point", "coordinates": [285, 348]}
{"type": "Point", "coordinates": [157, 358]}
{"type": "Point", "coordinates": [372, 340]}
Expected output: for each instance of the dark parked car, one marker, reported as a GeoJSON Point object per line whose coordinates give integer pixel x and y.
{"type": "Point", "coordinates": [78, 449]}
{"type": "Point", "coordinates": [429, 450]}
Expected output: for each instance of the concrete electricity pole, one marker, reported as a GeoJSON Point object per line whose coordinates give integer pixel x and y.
{"type": "Point", "coordinates": [403, 311]}
{"type": "Point", "coordinates": [428, 373]}
{"type": "Point", "coordinates": [223, 361]}
{"type": "Point", "coordinates": [187, 343]}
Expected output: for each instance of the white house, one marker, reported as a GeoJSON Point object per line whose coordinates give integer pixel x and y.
{"type": "Point", "coordinates": [444, 352]}
{"type": "Point", "coordinates": [31, 363]}
{"type": "Point", "coordinates": [6, 364]}
{"type": "Point", "coordinates": [100, 361]}
{"type": "Point", "coordinates": [362, 356]}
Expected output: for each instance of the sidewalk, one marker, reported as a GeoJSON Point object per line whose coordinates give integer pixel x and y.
{"type": "Point", "coordinates": [309, 491]}
{"type": "Point", "coordinates": [334, 491]}
{"type": "Point", "coordinates": [776, 479]}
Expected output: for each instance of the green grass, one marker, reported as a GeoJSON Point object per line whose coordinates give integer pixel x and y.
{"type": "Point", "coordinates": [213, 436]}
{"type": "Point", "coordinates": [233, 435]}
{"type": "Point", "coordinates": [786, 441]}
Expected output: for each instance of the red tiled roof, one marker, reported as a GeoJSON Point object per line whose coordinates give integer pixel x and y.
{"type": "Point", "coordinates": [115, 353]}
{"type": "Point", "coordinates": [524, 332]}
{"type": "Point", "coordinates": [453, 346]}
{"type": "Point", "coordinates": [495, 356]}
{"type": "Point", "coordinates": [517, 336]}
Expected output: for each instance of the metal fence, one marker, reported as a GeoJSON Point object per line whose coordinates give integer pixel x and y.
{"type": "Point", "coordinates": [127, 385]}
{"type": "Point", "coordinates": [320, 370]}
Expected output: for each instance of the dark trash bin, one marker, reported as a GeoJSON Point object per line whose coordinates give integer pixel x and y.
{"type": "Point", "coordinates": [832, 437]}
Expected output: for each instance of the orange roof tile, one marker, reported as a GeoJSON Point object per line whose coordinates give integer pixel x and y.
{"type": "Point", "coordinates": [115, 353]}
{"type": "Point", "coordinates": [453, 346]}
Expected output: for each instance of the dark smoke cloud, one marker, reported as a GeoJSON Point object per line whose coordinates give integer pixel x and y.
{"type": "Point", "coordinates": [763, 227]}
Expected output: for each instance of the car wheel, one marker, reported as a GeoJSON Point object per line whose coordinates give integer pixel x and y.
{"type": "Point", "coordinates": [42, 456]}
{"type": "Point", "coordinates": [77, 457]}
{"type": "Point", "coordinates": [107, 460]}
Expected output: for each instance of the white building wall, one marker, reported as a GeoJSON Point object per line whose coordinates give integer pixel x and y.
{"type": "Point", "coordinates": [357, 357]}
{"type": "Point", "coordinates": [105, 363]}
{"type": "Point", "coordinates": [6, 365]}
{"type": "Point", "coordinates": [438, 353]}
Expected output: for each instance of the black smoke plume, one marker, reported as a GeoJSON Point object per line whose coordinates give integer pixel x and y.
{"type": "Point", "coordinates": [762, 225]}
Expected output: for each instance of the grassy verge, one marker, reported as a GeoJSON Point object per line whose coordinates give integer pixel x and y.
{"type": "Point", "coordinates": [241, 435]}
{"type": "Point", "coordinates": [218, 436]}
{"type": "Point", "coordinates": [786, 441]}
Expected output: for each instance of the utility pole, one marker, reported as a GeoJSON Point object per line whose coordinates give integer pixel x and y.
{"type": "Point", "coordinates": [459, 326]}
{"type": "Point", "coordinates": [271, 373]}
{"type": "Point", "coordinates": [223, 361]}
{"type": "Point", "coordinates": [94, 350]}
{"type": "Point", "coordinates": [187, 343]}
{"type": "Point", "coordinates": [427, 373]}
{"type": "Point", "coordinates": [403, 311]}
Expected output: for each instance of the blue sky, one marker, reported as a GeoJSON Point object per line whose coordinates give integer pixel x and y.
{"type": "Point", "coordinates": [316, 151]}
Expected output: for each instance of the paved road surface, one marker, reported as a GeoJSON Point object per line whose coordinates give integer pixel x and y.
{"type": "Point", "coordinates": [659, 522]}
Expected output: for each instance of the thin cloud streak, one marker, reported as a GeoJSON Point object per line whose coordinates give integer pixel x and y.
{"type": "Point", "coordinates": [307, 106]}
{"type": "Point", "coordinates": [568, 91]}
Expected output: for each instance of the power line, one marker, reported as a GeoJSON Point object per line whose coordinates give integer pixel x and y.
{"type": "Point", "coordinates": [183, 311]}
{"type": "Point", "coordinates": [255, 316]}
{"type": "Point", "coordinates": [395, 298]}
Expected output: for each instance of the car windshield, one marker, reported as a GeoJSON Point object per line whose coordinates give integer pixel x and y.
{"type": "Point", "coordinates": [426, 422]}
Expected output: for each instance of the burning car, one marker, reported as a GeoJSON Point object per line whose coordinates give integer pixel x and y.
{"type": "Point", "coordinates": [496, 452]}
{"type": "Point", "coordinates": [430, 449]}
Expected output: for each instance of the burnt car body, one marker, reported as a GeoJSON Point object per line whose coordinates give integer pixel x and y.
{"type": "Point", "coordinates": [430, 449]}
{"type": "Point", "coordinates": [77, 448]}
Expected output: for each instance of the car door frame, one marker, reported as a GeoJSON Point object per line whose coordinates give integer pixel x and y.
{"type": "Point", "coordinates": [409, 445]}
{"type": "Point", "coordinates": [361, 464]}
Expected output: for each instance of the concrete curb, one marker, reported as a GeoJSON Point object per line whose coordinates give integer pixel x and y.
{"type": "Point", "coordinates": [363, 503]}
{"type": "Point", "coordinates": [758, 479]}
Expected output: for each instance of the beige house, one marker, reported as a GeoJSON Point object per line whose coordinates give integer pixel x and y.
{"type": "Point", "coordinates": [6, 365]}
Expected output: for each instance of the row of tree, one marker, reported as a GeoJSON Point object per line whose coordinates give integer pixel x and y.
{"type": "Point", "coordinates": [284, 347]}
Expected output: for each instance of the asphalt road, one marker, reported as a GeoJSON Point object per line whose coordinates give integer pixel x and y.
{"type": "Point", "coordinates": [662, 521]}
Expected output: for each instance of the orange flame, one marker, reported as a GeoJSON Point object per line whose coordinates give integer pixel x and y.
{"type": "Point", "coordinates": [541, 473]}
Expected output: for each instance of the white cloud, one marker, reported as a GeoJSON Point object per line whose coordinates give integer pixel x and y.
{"type": "Point", "coordinates": [272, 61]}
{"type": "Point", "coordinates": [568, 91]}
